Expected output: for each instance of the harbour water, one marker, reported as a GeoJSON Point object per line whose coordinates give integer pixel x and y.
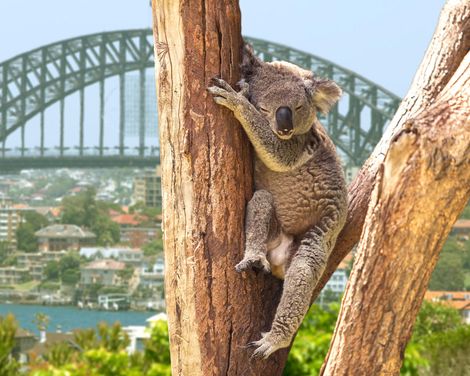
{"type": "Point", "coordinates": [69, 318]}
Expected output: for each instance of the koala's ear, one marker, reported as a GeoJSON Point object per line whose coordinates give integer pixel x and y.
{"type": "Point", "coordinates": [250, 62]}
{"type": "Point", "coordinates": [325, 94]}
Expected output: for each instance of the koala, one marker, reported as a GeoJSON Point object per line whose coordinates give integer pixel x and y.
{"type": "Point", "coordinates": [300, 201]}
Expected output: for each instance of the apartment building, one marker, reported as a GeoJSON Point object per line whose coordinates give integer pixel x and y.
{"type": "Point", "coordinates": [148, 188]}
{"type": "Point", "coordinates": [10, 219]}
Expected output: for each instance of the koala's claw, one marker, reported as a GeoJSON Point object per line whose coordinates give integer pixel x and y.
{"type": "Point", "coordinates": [222, 84]}
{"type": "Point", "coordinates": [258, 262]}
{"type": "Point", "coordinates": [227, 98]}
{"type": "Point", "coordinates": [263, 347]}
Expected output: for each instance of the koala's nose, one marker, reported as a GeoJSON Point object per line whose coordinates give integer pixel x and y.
{"type": "Point", "coordinates": [284, 121]}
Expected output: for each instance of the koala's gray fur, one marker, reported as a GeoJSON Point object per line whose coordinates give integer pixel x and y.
{"type": "Point", "coordinates": [300, 200]}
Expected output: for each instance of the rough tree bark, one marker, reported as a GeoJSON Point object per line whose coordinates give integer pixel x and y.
{"type": "Point", "coordinates": [422, 186]}
{"type": "Point", "coordinates": [206, 178]}
{"type": "Point", "coordinates": [450, 43]}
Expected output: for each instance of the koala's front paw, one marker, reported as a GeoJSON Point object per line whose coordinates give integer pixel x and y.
{"type": "Point", "coordinates": [268, 344]}
{"type": "Point", "coordinates": [255, 262]}
{"type": "Point", "coordinates": [225, 95]}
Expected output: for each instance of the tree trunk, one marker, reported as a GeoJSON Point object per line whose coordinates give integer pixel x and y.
{"type": "Point", "coordinates": [206, 178]}
{"type": "Point", "coordinates": [423, 185]}
{"type": "Point", "coordinates": [450, 43]}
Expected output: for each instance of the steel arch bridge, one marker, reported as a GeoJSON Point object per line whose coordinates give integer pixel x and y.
{"type": "Point", "coordinates": [36, 80]}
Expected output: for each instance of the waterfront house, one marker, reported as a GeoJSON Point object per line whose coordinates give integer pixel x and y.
{"type": "Point", "coordinates": [103, 272]}
{"type": "Point", "coordinates": [11, 275]}
{"type": "Point", "coordinates": [131, 256]}
{"type": "Point", "coordinates": [48, 256]}
{"type": "Point", "coordinates": [136, 229]}
{"type": "Point", "coordinates": [461, 228]}
{"type": "Point", "coordinates": [25, 259]}
{"type": "Point", "coordinates": [36, 262]}
{"type": "Point", "coordinates": [24, 341]}
{"type": "Point", "coordinates": [151, 276]}
{"type": "Point", "coordinates": [460, 300]}
{"type": "Point", "coordinates": [51, 339]}
{"type": "Point", "coordinates": [64, 237]}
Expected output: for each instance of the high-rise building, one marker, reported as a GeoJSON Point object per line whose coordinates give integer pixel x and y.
{"type": "Point", "coordinates": [10, 219]}
{"type": "Point", "coordinates": [133, 106]}
{"type": "Point", "coordinates": [148, 188]}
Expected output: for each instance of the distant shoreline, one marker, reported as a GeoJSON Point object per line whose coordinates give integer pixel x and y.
{"type": "Point", "coordinates": [69, 317]}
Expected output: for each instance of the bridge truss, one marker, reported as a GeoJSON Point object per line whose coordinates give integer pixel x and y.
{"type": "Point", "coordinates": [34, 81]}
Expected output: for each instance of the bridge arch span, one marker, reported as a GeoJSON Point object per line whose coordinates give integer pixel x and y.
{"type": "Point", "coordinates": [38, 79]}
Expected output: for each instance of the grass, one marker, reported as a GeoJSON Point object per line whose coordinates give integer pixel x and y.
{"type": "Point", "coordinates": [22, 287]}
{"type": "Point", "coordinates": [26, 286]}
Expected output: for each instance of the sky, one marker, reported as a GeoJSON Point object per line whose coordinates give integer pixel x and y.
{"type": "Point", "coordinates": [379, 39]}
{"type": "Point", "coordinates": [382, 40]}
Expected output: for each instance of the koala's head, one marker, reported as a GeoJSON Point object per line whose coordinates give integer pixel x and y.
{"type": "Point", "coordinates": [287, 95]}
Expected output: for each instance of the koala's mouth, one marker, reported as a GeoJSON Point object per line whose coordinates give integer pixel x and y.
{"type": "Point", "coordinates": [284, 134]}
{"type": "Point", "coordinates": [284, 125]}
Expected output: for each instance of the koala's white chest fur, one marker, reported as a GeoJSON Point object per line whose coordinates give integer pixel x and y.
{"type": "Point", "coordinates": [278, 254]}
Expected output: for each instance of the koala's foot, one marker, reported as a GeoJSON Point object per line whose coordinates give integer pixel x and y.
{"type": "Point", "coordinates": [268, 344]}
{"type": "Point", "coordinates": [255, 262]}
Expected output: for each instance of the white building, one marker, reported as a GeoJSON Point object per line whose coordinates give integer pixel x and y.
{"type": "Point", "coordinates": [337, 282]}
{"type": "Point", "coordinates": [10, 219]}
{"type": "Point", "coordinates": [124, 254]}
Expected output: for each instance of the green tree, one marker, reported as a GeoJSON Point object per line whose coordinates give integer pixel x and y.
{"type": "Point", "coordinates": [126, 274]}
{"type": "Point", "coordinates": [25, 233]}
{"type": "Point", "coordinates": [105, 354]}
{"type": "Point", "coordinates": [107, 231]}
{"type": "Point", "coordinates": [435, 318]}
{"type": "Point", "coordinates": [83, 210]}
{"type": "Point", "coordinates": [86, 339]}
{"type": "Point", "coordinates": [466, 212]}
{"type": "Point", "coordinates": [8, 326]}
{"type": "Point", "coordinates": [448, 274]}
{"type": "Point", "coordinates": [69, 261]}
{"type": "Point", "coordinates": [80, 210]}
{"type": "Point", "coordinates": [69, 268]}
{"type": "Point", "coordinates": [153, 248]}
{"type": "Point", "coordinates": [447, 353]}
{"type": "Point", "coordinates": [4, 252]}
{"type": "Point", "coordinates": [41, 320]}
{"type": "Point", "coordinates": [59, 186]}
{"type": "Point", "coordinates": [312, 341]}
{"type": "Point", "coordinates": [157, 349]}
{"type": "Point", "coordinates": [437, 340]}
{"type": "Point", "coordinates": [112, 338]}
{"type": "Point", "coordinates": [70, 277]}
{"type": "Point", "coordinates": [60, 354]}
{"type": "Point", "coordinates": [51, 270]}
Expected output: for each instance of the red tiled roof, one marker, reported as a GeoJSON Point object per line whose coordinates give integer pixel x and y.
{"type": "Point", "coordinates": [447, 295]}
{"type": "Point", "coordinates": [462, 223]}
{"type": "Point", "coordinates": [457, 304]}
{"type": "Point", "coordinates": [128, 219]}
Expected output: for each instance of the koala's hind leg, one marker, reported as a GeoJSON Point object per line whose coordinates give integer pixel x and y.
{"type": "Point", "coordinates": [260, 225]}
{"type": "Point", "coordinates": [303, 273]}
